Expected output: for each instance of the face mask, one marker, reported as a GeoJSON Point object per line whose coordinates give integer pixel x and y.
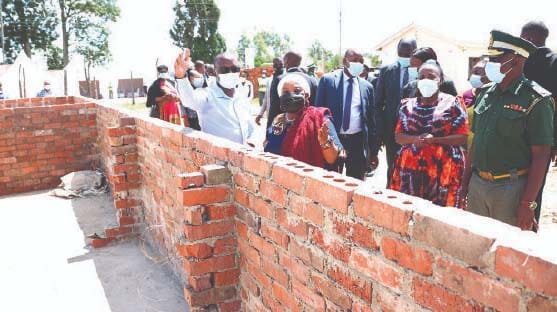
{"type": "Point", "coordinates": [292, 102]}
{"type": "Point", "coordinates": [404, 61]}
{"type": "Point", "coordinates": [164, 76]}
{"type": "Point", "coordinates": [47, 87]}
{"type": "Point", "coordinates": [476, 81]}
{"type": "Point", "coordinates": [427, 87]}
{"type": "Point", "coordinates": [230, 80]}
{"type": "Point", "coordinates": [198, 82]}
{"type": "Point", "coordinates": [493, 71]}
{"type": "Point", "coordinates": [356, 68]}
{"type": "Point", "coordinates": [412, 73]}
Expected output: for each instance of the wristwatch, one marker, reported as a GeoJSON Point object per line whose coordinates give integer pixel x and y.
{"type": "Point", "coordinates": [531, 204]}
{"type": "Point", "coordinates": [327, 144]}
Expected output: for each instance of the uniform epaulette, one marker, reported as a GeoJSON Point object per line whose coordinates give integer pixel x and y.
{"type": "Point", "coordinates": [487, 85]}
{"type": "Point", "coordinates": [541, 91]}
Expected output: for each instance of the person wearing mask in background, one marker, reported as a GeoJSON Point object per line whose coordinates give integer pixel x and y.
{"type": "Point", "coordinates": [541, 67]}
{"type": "Point", "coordinates": [189, 116]}
{"type": "Point", "coordinates": [154, 93]}
{"type": "Point", "coordinates": [222, 112]}
{"type": "Point", "coordinates": [168, 101]}
{"type": "Point", "coordinates": [419, 57]}
{"type": "Point", "coordinates": [513, 135]}
{"type": "Point", "coordinates": [278, 70]}
{"type": "Point", "coordinates": [352, 104]}
{"type": "Point", "coordinates": [302, 132]}
{"type": "Point", "coordinates": [46, 91]}
{"type": "Point", "coordinates": [211, 75]}
{"type": "Point", "coordinates": [245, 87]}
{"type": "Point", "coordinates": [392, 78]}
{"type": "Point", "coordinates": [291, 61]}
{"type": "Point", "coordinates": [200, 67]}
{"type": "Point", "coordinates": [432, 128]}
{"type": "Point", "coordinates": [262, 86]}
{"type": "Point", "coordinates": [478, 80]}
{"type": "Point", "coordinates": [311, 70]}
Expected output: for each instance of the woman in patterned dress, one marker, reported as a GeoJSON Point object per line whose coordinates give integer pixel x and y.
{"type": "Point", "coordinates": [432, 129]}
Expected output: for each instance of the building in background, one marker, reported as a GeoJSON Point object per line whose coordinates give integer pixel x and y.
{"type": "Point", "coordinates": [456, 57]}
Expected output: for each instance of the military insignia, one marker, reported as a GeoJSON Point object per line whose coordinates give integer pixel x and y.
{"type": "Point", "coordinates": [516, 108]}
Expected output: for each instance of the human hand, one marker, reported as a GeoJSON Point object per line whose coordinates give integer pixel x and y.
{"type": "Point", "coordinates": [258, 120]}
{"type": "Point", "coordinates": [420, 141]}
{"type": "Point", "coordinates": [323, 133]}
{"type": "Point", "coordinates": [464, 198]}
{"type": "Point", "coordinates": [182, 64]}
{"type": "Point", "coordinates": [429, 139]}
{"type": "Point", "coordinates": [525, 217]}
{"type": "Point", "coordinates": [374, 161]}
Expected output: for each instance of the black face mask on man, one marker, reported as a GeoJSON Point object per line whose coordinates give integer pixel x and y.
{"type": "Point", "coordinates": [292, 102]}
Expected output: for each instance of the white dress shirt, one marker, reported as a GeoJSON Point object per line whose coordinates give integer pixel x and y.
{"type": "Point", "coordinates": [219, 115]}
{"type": "Point", "coordinates": [356, 109]}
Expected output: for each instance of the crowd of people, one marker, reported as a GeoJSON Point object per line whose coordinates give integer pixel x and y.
{"type": "Point", "coordinates": [487, 150]}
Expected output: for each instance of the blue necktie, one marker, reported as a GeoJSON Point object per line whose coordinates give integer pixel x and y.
{"type": "Point", "coordinates": [347, 106]}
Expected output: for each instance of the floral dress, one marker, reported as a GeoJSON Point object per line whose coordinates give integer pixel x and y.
{"type": "Point", "coordinates": [433, 172]}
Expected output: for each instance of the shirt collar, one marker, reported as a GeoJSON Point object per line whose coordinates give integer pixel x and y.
{"type": "Point", "coordinates": [219, 92]}
{"type": "Point", "coordinates": [346, 78]}
{"type": "Point", "coordinates": [513, 88]}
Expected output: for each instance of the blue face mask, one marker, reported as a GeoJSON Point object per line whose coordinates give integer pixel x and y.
{"type": "Point", "coordinates": [476, 81]}
{"type": "Point", "coordinates": [404, 61]}
{"type": "Point", "coordinates": [412, 73]}
{"type": "Point", "coordinates": [493, 71]}
{"type": "Point", "coordinates": [356, 68]}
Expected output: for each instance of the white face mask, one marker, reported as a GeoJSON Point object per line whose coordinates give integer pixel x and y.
{"type": "Point", "coordinates": [198, 82]}
{"type": "Point", "coordinates": [164, 76]}
{"type": "Point", "coordinates": [47, 87]}
{"type": "Point", "coordinates": [428, 87]}
{"type": "Point", "coordinates": [230, 80]}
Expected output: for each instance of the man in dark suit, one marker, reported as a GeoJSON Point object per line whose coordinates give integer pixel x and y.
{"type": "Point", "coordinates": [292, 61]}
{"type": "Point", "coordinates": [352, 104]}
{"type": "Point", "coordinates": [541, 67]}
{"type": "Point", "coordinates": [392, 78]}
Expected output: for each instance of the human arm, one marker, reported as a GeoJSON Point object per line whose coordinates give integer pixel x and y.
{"type": "Point", "coordinates": [265, 107]}
{"type": "Point", "coordinates": [195, 100]}
{"type": "Point", "coordinates": [371, 118]}
{"type": "Point", "coordinates": [448, 87]}
{"type": "Point", "coordinates": [329, 142]}
{"type": "Point", "coordinates": [321, 94]}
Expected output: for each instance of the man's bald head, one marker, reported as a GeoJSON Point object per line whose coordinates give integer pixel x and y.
{"type": "Point", "coordinates": [292, 59]}
{"type": "Point", "coordinates": [406, 46]}
{"type": "Point", "coordinates": [226, 61]}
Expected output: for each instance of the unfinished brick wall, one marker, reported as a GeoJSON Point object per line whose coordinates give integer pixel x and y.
{"type": "Point", "coordinates": [42, 139]}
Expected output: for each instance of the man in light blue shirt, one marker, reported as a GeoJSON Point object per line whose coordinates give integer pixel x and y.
{"type": "Point", "coordinates": [222, 111]}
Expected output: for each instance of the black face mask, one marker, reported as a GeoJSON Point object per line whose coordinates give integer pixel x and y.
{"type": "Point", "coordinates": [292, 102]}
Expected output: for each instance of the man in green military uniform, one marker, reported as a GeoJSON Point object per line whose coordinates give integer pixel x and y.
{"type": "Point", "coordinates": [513, 128]}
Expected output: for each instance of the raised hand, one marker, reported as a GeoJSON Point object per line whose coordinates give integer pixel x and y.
{"type": "Point", "coordinates": [182, 64]}
{"type": "Point", "coordinates": [323, 135]}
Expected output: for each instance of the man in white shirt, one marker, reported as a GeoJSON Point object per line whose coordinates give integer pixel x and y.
{"type": "Point", "coordinates": [222, 112]}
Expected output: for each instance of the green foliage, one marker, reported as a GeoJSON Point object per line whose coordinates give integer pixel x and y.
{"type": "Point", "coordinates": [333, 63]}
{"type": "Point", "coordinates": [55, 58]}
{"type": "Point", "coordinates": [267, 45]}
{"type": "Point", "coordinates": [28, 25]}
{"type": "Point", "coordinates": [318, 53]}
{"type": "Point", "coordinates": [375, 59]}
{"type": "Point", "coordinates": [196, 27]}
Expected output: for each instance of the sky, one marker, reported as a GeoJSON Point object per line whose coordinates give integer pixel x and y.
{"type": "Point", "coordinates": [142, 32]}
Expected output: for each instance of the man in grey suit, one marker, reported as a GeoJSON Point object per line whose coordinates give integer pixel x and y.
{"type": "Point", "coordinates": [392, 78]}
{"type": "Point", "coordinates": [351, 101]}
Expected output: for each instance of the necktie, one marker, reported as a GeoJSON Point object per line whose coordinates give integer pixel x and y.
{"type": "Point", "coordinates": [405, 77]}
{"type": "Point", "coordinates": [347, 105]}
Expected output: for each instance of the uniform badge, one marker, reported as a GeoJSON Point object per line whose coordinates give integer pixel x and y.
{"type": "Point", "coordinates": [516, 108]}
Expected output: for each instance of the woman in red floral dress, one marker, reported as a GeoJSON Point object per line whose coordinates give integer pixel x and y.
{"type": "Point", "coordinates": [432, 129]}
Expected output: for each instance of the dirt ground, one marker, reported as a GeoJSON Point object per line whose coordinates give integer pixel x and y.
{"type": "Point", "coordinates": [47, 266]}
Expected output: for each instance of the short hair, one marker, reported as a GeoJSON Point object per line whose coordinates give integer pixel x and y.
{"type": "Point", "coordinates": [296, 79]}
{"type": "Point", "coordinates": [537, 27]}
{"type": "Point", "coordinates": [425, 54]}
{"type": "Point", "coordinates": [433, 63]}
{"type": "Point", "coordinates": [160, 68]}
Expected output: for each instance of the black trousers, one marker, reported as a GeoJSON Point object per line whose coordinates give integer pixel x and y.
{"type": "Point", "coordinates": [355, 163]}
{"type": "Point", "coordinates": [392, 149]}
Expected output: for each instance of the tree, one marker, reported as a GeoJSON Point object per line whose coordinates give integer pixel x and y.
{"type": "Point", "coordinates": [82, 20]}
{"type": "Point", "coordinates": [55, 59]}
{"type": "Point", "coordinates": [196, 27]}
{"type": "Point", "coordinates": [93, 46]}
{"type": "Point", "coordinates": [29, 25]}
{"type": "Point", "coordinates": [318, 53]}
{"type": "Point", "coordinates": [375, 59]}
{"type": "Point", "coordinates": [268, 45]}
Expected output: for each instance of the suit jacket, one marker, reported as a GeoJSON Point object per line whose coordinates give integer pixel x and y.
{"type": "Point", "coordinates": [330, 94]}
{"type": "Point", "coordinates": [388, 100]}
{"type": "Point", "coordinates": [274, 109]}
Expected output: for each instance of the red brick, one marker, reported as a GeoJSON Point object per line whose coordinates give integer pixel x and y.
{"type": "Point", "coordinates": [125, 203]}
{"type": "Point", "coordinates": [358, 306]}
{"type": "Point", "coordinates": [220, 212]}
{"type": "Point", "coordinates": [200, 251]}
{"type": "Point", "coordinates": [540, 304]}
{"type": "Point", "coordinates": [355, 232]}
{"type": "Point", "coordinates": [125, 168]}
{"type": "Point", "coordinates": [101, 242]}
{"type": "Point", "coordinates": [352, 282]}
{"type": "Point", "coordinates": [126, 220]}
{"type": "Point", "coordinates": [225, 278]}
{"type": "Point", "coordinates": [411, 257]}
{"type": "Point", "coordinates": [295, 268]}
{"type": "Point", "coordinates": [275, 271]}
{"type": "Point", "coordinates": [258, 165]}
{"type": "Point", "coordinates": [378, 212]}
{"type": "Point", "coordinates": [289, 177]}
{"type": "Point", "coordinates": [265, 248]}
{"type": "Point", "coordinates": [320, 186]}
{"type": "Point", "coordinates": [300, 251]}
{"type": "Point", "coordinates": [262, 207]}
{"type": "Point", "coordinates": [204, 196]}
{"type": "Point", "coordinates": [439, 299]}
{"type": "Point", "coordinates": [232, 306]}
{"type": "Point", "coordinates": [119, 231]}
{"type": "Point", "coordinates": [190, 180]}
{"type": "Point", "coordinates": [535, 273]}
{"type": "Point", "coordinates": [374, 267]}
{"type": "Point", "coordinates": [225, 246]}
{"type": "Point", "coordinates": [242, 197]}
{"type": "Point", "coordinates": [210, 296]}
{"type": "Point", "coordinates": [116, 132]}
{"type": "Point", "coordinates": [200, 283]}
{"type": "Point", "coordinates": [245, 180]}
{"type": "Point", "coordinates": [197, 232]}
{"type": "Point", "coordinates": [286, 298]}
{"type": "Point", "coordinates": [262, 279]}
{"type": "Point", "coordinates": [248, 283]}
{"type": "Point", "coordinates": [291, 223]}
{"type": "Point", "coordinates": [477, 286]}
{"type": "Point", "coordinates": [331, 245]}
{"type": "Point", "coordinates": [394, 303]}
{"type": "Point", "coordinates": [271, 303]}
{"type": "Point", "coordinates": [242, 230]}
{"type": "Point", "coordinates": [249, 253]}
{"type": "Point", "coordinates": [273, 192]}
{"type": "Point", "coordinates": [331, 292]}
{"type": "Point", "coordinates": [308, 296]}
{"type": "Point", "coordinates": [194, 215]}
{"type": "Point", "coordinates": [306, 209]}
{"type": "Point", "coordinates": [278, 237]}
{"type": "Point", "coordinates": [214, 264]}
